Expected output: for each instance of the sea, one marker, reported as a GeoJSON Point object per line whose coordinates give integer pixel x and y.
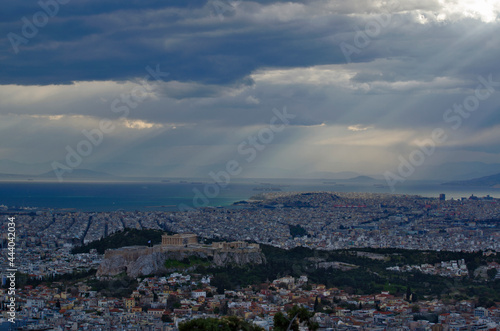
{"type": "Point", "coordinates": [177, 195]}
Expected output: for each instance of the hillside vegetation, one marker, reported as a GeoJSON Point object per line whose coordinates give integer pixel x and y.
{"type": "Point", "coordinates": [127, 237]}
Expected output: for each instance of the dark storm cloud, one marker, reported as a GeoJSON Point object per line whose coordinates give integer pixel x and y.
{"type": "Point", "coordinates": [115, 42]}
{"type": "Point", "coordinates": [13, 11]}
{"type": "Point", "coordinates": [111, 40]}
{"type": "Point", "coordinates": [228, 71]}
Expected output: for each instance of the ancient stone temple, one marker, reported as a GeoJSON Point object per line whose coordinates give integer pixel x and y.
{"type": "Point", "coordinates": [180, 239]}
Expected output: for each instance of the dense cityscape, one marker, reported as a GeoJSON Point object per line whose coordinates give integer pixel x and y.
{"type": "Point", "coordinates": [322, 221]}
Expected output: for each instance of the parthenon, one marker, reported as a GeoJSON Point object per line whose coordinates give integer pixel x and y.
{"type": "Point", "coordinates": [179, 239]}
{"type": "Point", "coordinates": [189, 241]}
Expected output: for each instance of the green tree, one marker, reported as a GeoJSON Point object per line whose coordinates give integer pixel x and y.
{"type": "Point", "coordinates": [297, 230]}
{"type": "Point", "coordinates": [408, 293]}
{"type": "Point", "coordinates": [297, 316]}
{"type": "Point", "coordinates": [225, 308]}
{"type": "Point", "coordinates": [229, 323]}
{"type": "Point", "coordinates": [155, 297]}
{"type": "Point", "coordinates": [492, 273]}
{"type": "Point", "coordinates": [221, 282]}
{"type": "Point", "coordinates": [281, 322]}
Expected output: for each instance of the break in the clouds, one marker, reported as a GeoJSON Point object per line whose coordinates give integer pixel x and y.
{"type": "Point", "coordinates": [183, 84]}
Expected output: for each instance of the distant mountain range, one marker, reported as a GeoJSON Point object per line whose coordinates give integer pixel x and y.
{"type": "Point", "coordinates": [486, 181]}
{"type": "Point", "coordinates": [50, 175]}
{"type": "Point", "coordinates": [456, 173]}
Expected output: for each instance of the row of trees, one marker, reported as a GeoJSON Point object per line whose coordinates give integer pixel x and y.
{"type": "Point", "coordinates": [226, 323]}
{"type": "Point", "coordinates": [369, 277]}
{"type": "Point", "coordinates": [127, 237]}
{"type": "Point", "coordinates": [292, 320]}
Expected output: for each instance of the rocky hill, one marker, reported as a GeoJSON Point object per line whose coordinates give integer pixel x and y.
{"type": "Point", "coordinates": [141, 260]}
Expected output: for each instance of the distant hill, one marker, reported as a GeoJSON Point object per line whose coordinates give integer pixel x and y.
{"type": "Point", "coordinates": [329, 175]}
{"type": "Point", "coordinates": [457, 171]}
{"type": "Point", "coordinates": [362, 179]}
{"type": "Point", "coordinates": [487, 181]}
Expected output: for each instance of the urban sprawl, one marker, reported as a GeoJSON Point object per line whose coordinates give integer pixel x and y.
{"type": "Point", "coordinates": [329, 221]}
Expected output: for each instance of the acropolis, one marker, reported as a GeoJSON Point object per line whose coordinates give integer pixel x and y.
{"type": "Point", "coordinates": [190, 241]}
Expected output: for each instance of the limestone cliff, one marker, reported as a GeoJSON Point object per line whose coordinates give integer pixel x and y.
{"type": "Point", "coordinates": [141, 261]}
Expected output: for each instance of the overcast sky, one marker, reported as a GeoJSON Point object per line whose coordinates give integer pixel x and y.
{"type": "Point", "coordinates": [363, 83]}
